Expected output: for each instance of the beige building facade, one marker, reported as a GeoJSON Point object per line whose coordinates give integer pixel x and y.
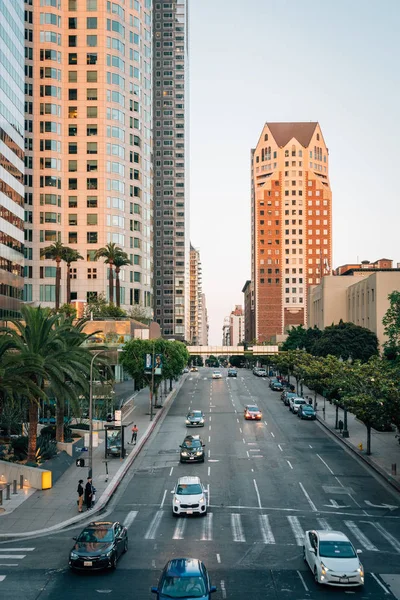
{"type": "Point", "coordinates": [361, 299]}
{"type": "Point", "coordinates": [196, 299]}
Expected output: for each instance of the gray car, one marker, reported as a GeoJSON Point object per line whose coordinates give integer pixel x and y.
{"type": "Point", "coordinates": [195, 419]}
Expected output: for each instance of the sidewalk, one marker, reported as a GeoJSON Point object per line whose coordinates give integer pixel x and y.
{"type": "Point", "coordinates": [385, 448]}
{"type": "Point", "coordinates": [56, 508]}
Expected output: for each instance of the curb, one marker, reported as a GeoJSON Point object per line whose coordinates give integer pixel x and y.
{"type": "Point", "coordinates": [369, 461]}
{"type": "Point", "coordinates": [116, 480]}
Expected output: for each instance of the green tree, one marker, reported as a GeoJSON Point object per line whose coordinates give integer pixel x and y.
{"type": "Point", "coordinates": [99, 307]}
{"type": "Point", "coordinates": [109, 252]}
{"type": "Point", "coordinates": [139, 313]}
{"type": "Point", "coordinates": [347, 340]}
{"type": "Point", "coordinates": [120, 260]}
{"type": "Point", "coordinates": [55, 252]}
{"type": "Point", "coordinates": [69, 255]}
{"type": "Point", "coordinates": [391, 322]}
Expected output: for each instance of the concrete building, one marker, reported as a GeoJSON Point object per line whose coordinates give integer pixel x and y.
{"type": "Point", "coordinates": [204, 322]}
{"type": "Point", "coordinates": [236, 326]}
{"type": "Point", "coordinates": [248, 311]}
{"type": "Point", "coordinates": [360, 298]}
{"type": "Point", "coordinates": [195, 298]}
{"type": "Point", "coordinates": [11, 157]}
{"type": "Point", "coordinates": [382, 264]}
{"type": "Point", "coordinates": [171, 211]}
{"type": "Point", "coordinates": [226, 332]}
{"type": "Point", "coordinates": [291, 217]}
{"type": "Point", "coordinates": [89, 144]}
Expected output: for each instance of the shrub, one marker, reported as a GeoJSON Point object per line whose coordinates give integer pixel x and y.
{"type": "Point", "coordinates": [81, 426]}
{"type": "Point", "coordinates": [50, 432]}
{"type": "Point", "coordinates": [45, 448]}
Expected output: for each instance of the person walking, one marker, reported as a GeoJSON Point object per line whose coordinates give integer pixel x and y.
{"type": "Point", "coordinates": [134, 434]}
{"type": "Point", "coordinates": [88, 493]}
{"type": "Point", "coordinates": [80, 491]}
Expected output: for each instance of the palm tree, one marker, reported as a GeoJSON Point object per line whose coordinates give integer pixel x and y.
{"type": "Point", "coordinates": [121, 260]}
{"type": "Point", "coordinates": [109, 253]}
{"type": "Point", "coordinates": [69, 256]}
{"type": "Point", "coordinates": [55, 252]}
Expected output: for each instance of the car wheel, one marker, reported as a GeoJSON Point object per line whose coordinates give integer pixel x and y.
{"type": "Point", "coordinates": [125, 546]}
{"type": "Point", "coordinates": [114, 562]}
{"type": "Point", "coordinates": [316, 575]}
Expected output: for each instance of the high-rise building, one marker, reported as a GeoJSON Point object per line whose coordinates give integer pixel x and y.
{"type": "Point", "coordinates": [291, 216]}
{"type": "Point", "coordinates": [248, 311]}
{"type": "Point", "coordinates": [89, 143]}
{"type": "Point", "coordinates": [236, 326]}
{"type": "Point", "coordinates": [195, 298]}
{"type": "Point", "coordinates": [11, 157]}
{"type": "Point", "coordinates": [226, 332]}
{"type": "Point", "coordinates": [204, 322]}
{"type": "Point", "coordinates": [171, 210]}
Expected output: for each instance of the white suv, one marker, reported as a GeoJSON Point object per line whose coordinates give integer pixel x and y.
{"type": "Point", "coordinates": [294, 404]}
{"type": "Point", "coordinates": [189, 497]}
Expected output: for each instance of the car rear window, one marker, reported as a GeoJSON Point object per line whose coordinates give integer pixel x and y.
{"type": "Point", "coordinates": [252, 409]}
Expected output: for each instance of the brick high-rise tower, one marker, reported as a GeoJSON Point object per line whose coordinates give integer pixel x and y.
{"type": "Point", "coordinates": [291, 216]}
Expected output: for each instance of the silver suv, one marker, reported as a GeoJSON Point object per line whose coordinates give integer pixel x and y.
{"type": "Point", "coordinates": [294, 404]}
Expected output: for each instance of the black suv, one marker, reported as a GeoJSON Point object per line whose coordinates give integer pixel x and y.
{"type": "Point", "coordinates": [192, 449]}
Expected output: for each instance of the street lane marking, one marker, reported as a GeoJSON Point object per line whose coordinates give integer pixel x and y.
{"type": "Point", "coordinates": [244, 441]}
{"type": "Point", "coordinates": [218, 558]}
{"type": "Point", "coordinates": [327, 466]}
{"type": "Point", "coordinates": [240, 429]}
{"type": "Point", "coordinates": [170, 473]}
{"type": "Point", "coordinates": [388, 536]}
{"type": "Point", "coordinates": [179, 529]}
{"type": "Point", "coordinates": [237, 420]}
{"type": "Point", "coordinates": [131, 516]}
{"type": "Point", "coordinates": [266, 422]}
{"type": "Point", "coordinates": [223, 589]}
{"type": "Point", "coordinates": [297, 530]}
{"type": "Point", "coordinates": [280, 447]}
{"type": "Point", "coordinates": [209, 452]}
{"type": "Point", "coordinates": [310, 445]}
{"type": "Point", "coordinates": [154, 525]}
{"type": "Point", "coordinates": [251, 443]}
{"type": "Point", "coordinates": [289, 463]}
{"type": "Point", "coordinates": [208, 471]}
{"type": "Point", "coordinates": [2, 577]}
{"type": "Point", "coordinates": [237, 529]}
{"type": "Point", "coordinates": [209, 439]}
{"type": "Point", "coordinates": [272, 434]}
{"type": "Point", "coordinates": [163, 499]}
{"type": "Point", "coordinates": [254, 450]}
{"type": "Point", "coordinates": [16, 549]}
{"type": "Point", "coordinates": [266, 531]}
{"type": "Point", "coordinates": [2, 556]}
{"type": "Point", "coordinates": [210, 417]}
{"type": "Point", "coordinates": [310, 502]}
{"type": "Point", "coordinates": [361, 537]}
{"type": "Point", "coordinates": [324, 524]}
{"type": "Point", "coordinates": [208, 494]}
{"type": "Point", "coordinates": [380, 583]}
{"type": "Point", "coordinates": [350, 496]}
{"type": "Point", "coordinates": [207, 528]}
{"type": "Point", "coordinates": [302, 581]}
{"type": "Point", "coordinates": [209, 427]}
{"type": "Point", "coordinates": [248, 455]}
{"type": "Point", "coordinates": [258, 493]}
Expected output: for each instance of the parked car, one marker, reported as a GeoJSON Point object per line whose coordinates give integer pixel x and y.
{"type": "Point", "coordinates": [287, 396]}
{"type": "Point", "coordinates": [99, 546]}
{"type": "Point", "coordinates": [276, 386]}
{"type": "Point", "coordinates": [295, 403]}
{"type": "Point", "coordinates": [306, 412]}
{"type": "Point", "coordinates": [252, 413]}
{"type": "Point", "coordinates": [232, 373]}
{"type": "Point", "coordinates": [192, 449]}
{"type": "Point", "coordinates": [184, 578]}
{"type": "Point", "coordinates": [189, 497]}
{"type": "Point", "coordinates": [186, 370]}
{"type": "Point", "coordinates": [261, 373]}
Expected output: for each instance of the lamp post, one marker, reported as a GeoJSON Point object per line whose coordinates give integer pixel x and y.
{"type": "Point", "coordinates": [91, 413]}
{"type": "Point", "coordinates": [345, 432]}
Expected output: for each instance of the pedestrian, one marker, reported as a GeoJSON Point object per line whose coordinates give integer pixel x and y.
{"type": "Point", "coordinates": [80, 495]}
{"type": "Point", "coordinates": [88, 493]}
{"type": "Point", "coordinates": [134, 434]}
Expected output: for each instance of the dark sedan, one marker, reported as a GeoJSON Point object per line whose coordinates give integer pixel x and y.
{"type": "Point", "coordinates": [306, 412]}
{"type": "Point", "coordinates": [232, 373]}
{"type": "Point", "coordinates": [192, 449]}
{"type": "Point", "coordinates": [276, 386]}
{"type": "Point", "coordinates": [184, 578]}
{"type": "Point", "coordinates": [99, 546]}
{"type": "Point", "coordinates": [286, 397]}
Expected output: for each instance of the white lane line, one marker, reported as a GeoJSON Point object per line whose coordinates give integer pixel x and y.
{"type": "Point", "coordinates": [8, 556]}
{"type": "Point", "coordinates": [380, 583]}
{"type": "Point", "coordinates": [248, 455]}
{"type": "Point", "coordinates": [302, 581]}
{"type": "Point", "coordinates": [207, 528]}
{"type": "Point", "coordinates": [324, 524]}
{"type": "Point", "coordinates": [9, 564]}
{"type": "Point", "coordinates": [208, 494]}
{"type": "Point", "coordinates": [310, 502]}
{"type": "Point", "coordinates": [237, 420]}
{"type": "Point", "coordinates": [240, 429]}
{"type": "Point", "coordinates": [266, 422]}
{"type": "Point", "coordinates": [297, 530]}
{"type": "Point", "coordinates": [280, 447]}
{"type": "Point", "coordinates": [244, 441]}
{"type": "Point", "coordinates": [237, 529]}
{"type": "Point", "coordinates": [251, 443]}
{"type": "Point", "coordinates": [254, 450]}
{"type": "Point", "coordinates": [361, 537]}
{"type": "Point", "coordinates": [210, 418]}
{"type": "Point", "coordinates": [223, 589]}
{"type": "Point", "coordinates": [154, 525]}
{"type": "Point", "coordinates": [2, 577]}
{"type": "Point", "coordinates": [209, 452]}
{"type": "Point", "coordinates": [273, 435]}
{"type": "Point", "coordinates": [349, 495]}
{"type": "Point", "coordinates": [209, 439]}
{"type": "Point", "coordinates": [208, 471]}
{"type": "Point", "coordinates": [289, 463]}
{"type": "Point", "coordinates": [163, 499]}
{"type": "Point", "coordinates": [310, 445]}
{"type": "Point", "coordinates": [388, 536]}
{"type": "Point", "coordinates": [327, 466]}
{"type": "Point", "coordinates": [131, 516]}
{"type": "Point", "coordinates": [258, 493]}
{"type": "Point", "coordinates": [170, 473]}
{"type": "Point", "coordinates": [209, 428]}
{"type": "Point", "coordinates": [266, 531]}
{"type": "Point", "coordinates": [218, 559]}
{"type": "Point", "coordinates": [16, 549]}
{"type": "Point", "coordinates": [179, 529]}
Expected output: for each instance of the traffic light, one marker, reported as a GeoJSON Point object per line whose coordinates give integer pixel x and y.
{"type": "Point", "coordinates": [80, 462]}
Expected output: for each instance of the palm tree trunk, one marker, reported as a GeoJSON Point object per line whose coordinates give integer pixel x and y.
{"type": "Point", "coordinates": [58, 283]}
{"type": "Point", "coordinates": [60, 421]}
{"type": "Point", "coordinates": [117, 287]}
{"type": "Point", "coordinates": [111, 284]}
{"type": "Point", "coordinates": [32, 435]}
{"type": "Point", "coordinates": [68, 283]}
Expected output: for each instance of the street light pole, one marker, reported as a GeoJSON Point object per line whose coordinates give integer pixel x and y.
{"type": "Point", "coordinates": [91, 413]}
{"type": "Point", "coordinates": [345, 432]}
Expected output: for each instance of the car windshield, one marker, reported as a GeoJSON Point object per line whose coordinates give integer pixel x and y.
{"type": "Point", "coordinates": [192, 444]}
{"type": "Point", "coordinates": [336, 549]}
{"type": "Point", "coordinates": [183, 587]}
{"type": "Point", "coordinates": [217, 373]}
{"type": "Point", "coordinates": [299, 401]}
{"type": "Point", "coordinates": [189, 489]}
{"type": "Point", "coordinates": [252, 409]}
{"type": "Point", "coordinates": [195, 413]}
{"type": "Point", "coordinates": [307, 408]}
{"type": "Point", "coordinates": [100, 534]}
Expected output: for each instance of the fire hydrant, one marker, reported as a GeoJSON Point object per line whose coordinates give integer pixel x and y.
{"type": "Point", "coordinates": [360, 446]}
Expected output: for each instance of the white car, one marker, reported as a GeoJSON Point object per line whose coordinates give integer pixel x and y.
{"type": "Point", "coordinates": [332, 558]}
{"type": "Point", "coordinates": [295, 403]}
{"type": "Point", "coordinates": [217, 375]}
{"type": "Point", "coordinates": [189, 497]}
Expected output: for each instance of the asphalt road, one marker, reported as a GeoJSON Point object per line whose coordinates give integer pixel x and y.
{"type": "Point", "coordinates": [268, 482]}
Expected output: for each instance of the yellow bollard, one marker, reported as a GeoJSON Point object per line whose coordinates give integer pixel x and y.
{"type": "Point", "coordinates": [360, 446]}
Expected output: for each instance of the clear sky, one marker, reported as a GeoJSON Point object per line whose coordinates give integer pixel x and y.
{"type": "Point", "coordinates": [332, 61]}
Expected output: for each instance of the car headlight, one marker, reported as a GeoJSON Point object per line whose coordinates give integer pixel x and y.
{"type": "Point", "coordinates": [74, 555]}
{"type": "Point", "coordinates": [201, 420]}
{"type": "Point", "coordinates": [176, 500]}
{"type": "Point", "coordinates": [202, 499]}
{"type": "Point", "coordinates": [107, 554]}
{"type": "Point", "coordinates": [199, 453]}
{"type": "Point", "coordinates": [360, 570]}
{"type": "Point", "coordinates": [187, 421]}
{"type": "Point", "coordinates": [184, 453]}
{"type": "Point", "coordinates": [324, 569]}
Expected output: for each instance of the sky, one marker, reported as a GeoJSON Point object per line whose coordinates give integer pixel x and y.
{"type": "Point", "coordinates": [332, 61]}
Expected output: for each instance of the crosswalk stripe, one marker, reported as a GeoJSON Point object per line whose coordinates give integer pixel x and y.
{"type": "Point", "coordinates": [361, 537]}
{"type": "Point", "coordinates": [131, 516]}
{"type": "Point", "coordinates": [324, 524]}
{"type": "Point", "coordinates": [237, 529]}
{"type": "Point", "coordinates": [207, 528]}
{"type": "Point", "coordinates": [17, 549]}
{"type": "Point", "coordinates": [266, 531]}
{"type": "Point", "coordinates": [297, 530]}
{"type": "Point", "coordinates": [152, 530]}
{"type": "Point", "coordinates": [179, 529]}
{"type": "Point", "coordinates": [388, 536]}
{"type": "Point", "coordinates": [2, 556]}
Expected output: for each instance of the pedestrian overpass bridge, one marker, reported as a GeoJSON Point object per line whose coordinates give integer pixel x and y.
{"type": "Point", "coordinates": [232, 350]}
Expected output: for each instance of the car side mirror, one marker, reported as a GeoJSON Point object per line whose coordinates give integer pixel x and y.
{"type": "Point", "coordinates": [213, 588]}
{"type": "Point", "coordinates": [204, 445]}
{"type": "Point", "coordinates": [75, 538]}
{"type": "Point", "coordinates": [154, 590]}
{"type": "Point", "coordinates": [359, 551]}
